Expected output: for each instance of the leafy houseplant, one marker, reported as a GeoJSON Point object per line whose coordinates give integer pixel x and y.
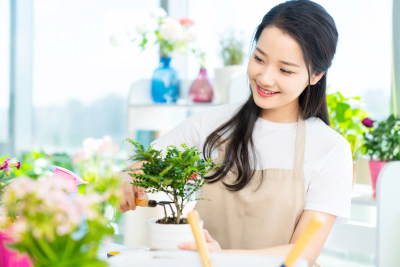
{"type": "Point", "coordinates": [232, 56]}
{"type": "Point", "coordinates": [231, 49]}
{"type": "Point", "coordinates": [382, 144]}
{"type": "Point", "coordinates": [178, 173]}
{"type": "Point", "coordinates": [346, 120]}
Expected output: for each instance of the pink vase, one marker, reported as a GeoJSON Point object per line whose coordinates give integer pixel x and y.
{"type": "Point", "coordinates": [11, 258]}
{"type": "Point", "coordinates": [201, 90]}
{"type": "Point", "coordinates": [375, 167]}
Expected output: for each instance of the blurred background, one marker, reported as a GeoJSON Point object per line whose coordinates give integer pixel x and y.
{"type": "Point", "coordinates": [62, 79]}
{"type": "Point", "coordinates": [74, 81]}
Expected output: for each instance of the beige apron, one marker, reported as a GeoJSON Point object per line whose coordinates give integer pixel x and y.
{"type": "Point", "coordinates": [251, 218]}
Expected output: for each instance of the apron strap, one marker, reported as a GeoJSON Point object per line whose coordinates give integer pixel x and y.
{"type": "Point", "coordinates": [300, 144]}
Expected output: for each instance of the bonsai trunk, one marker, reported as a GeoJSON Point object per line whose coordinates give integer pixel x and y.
{"type": "Point", "coordinates": [178, 211]}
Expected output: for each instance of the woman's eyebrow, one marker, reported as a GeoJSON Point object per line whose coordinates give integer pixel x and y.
{"type": "Point", "coordinates": [281, 61]}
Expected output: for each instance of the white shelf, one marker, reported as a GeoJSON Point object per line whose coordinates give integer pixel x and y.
{"type": "Point", "coordinates": [363, 195]}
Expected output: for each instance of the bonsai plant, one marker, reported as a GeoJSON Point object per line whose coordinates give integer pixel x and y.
{"type": "Point", "coordinates": [179, 174]}
{"type": "Point", "coordinates": [381, 144]}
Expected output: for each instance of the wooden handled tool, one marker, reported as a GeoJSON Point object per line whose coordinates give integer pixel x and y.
{"type": "Point", "coordinates": [312, 227]}
{"type": "Point", "coordinates": [193, 218]}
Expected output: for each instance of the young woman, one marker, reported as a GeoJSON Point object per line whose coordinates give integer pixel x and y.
{"type": "Point", "coordinates": [283, 163]}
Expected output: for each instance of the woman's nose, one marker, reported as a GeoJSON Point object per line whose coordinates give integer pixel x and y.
{"type": "Point", "coordinates": [266, 77]}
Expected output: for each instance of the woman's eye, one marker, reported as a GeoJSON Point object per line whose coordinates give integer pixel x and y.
{"type": "Point", "coordinates": [257, 58]}
{"type": "Point", "coordinates": [286, 71]}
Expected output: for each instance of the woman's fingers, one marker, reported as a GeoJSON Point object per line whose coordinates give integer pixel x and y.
{"type": "Point", "coordinates": [140, 192]}
{"type": "Point", "coordinates": [212, 245]}
{"type": "Point", "coordinates": [128, 200]}
{"type": "Point", "coordinates": [187, 246]}
{"type": "Point", "coordinates": [207, 236]}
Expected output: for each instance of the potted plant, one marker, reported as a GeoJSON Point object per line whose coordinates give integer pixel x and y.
{"type": "Point", "coordinates": [53, 228]}
{"type": "Point", "coordinates": [346, 119]}
{"type": "Point", "coordinates": [381, 144]}
{"type": "Point", "coordinates": [179, 174]}
{"type": "Point", "coordinates": [232, 56]}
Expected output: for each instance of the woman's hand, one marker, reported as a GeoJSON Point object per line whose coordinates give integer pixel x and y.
{"type": "Point", "coordinates": [212, 245]}
{"type": "Point", "coordinates": [130, 193]}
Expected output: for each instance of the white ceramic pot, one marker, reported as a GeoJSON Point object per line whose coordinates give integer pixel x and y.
{"type": "Point", "coordinates": [168, 236]}
{"type": "Point", "coordinates": [222, 78]}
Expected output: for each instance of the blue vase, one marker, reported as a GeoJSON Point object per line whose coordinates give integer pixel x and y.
{"type": "Point", "coordinates": [165, 83]}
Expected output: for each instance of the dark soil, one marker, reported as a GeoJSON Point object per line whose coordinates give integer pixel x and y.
{"type": "Point", "coordinates": [171, 220]}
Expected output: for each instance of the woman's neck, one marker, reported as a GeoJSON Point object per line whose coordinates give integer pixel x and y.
{"type": "Point", "coordinates": [280, 115]}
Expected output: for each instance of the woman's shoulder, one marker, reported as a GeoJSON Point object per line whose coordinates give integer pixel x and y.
{"type": "Point", "coordinates": [319, 132]}
{"type": "Point", "coordinates": [218, 114]}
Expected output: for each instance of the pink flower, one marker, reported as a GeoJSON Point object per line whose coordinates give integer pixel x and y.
{"type": "Point", "coordinates": [6, 165]}
{"type": "Point", "coordinates": [367, 122]}
{"type": "Point", "coordinates": [18, 165]}
{"type": "Point", "coordinates": [185, 21]}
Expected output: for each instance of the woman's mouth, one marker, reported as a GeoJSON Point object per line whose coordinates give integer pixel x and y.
{"type": "Point", "coordinates": [265, 92]}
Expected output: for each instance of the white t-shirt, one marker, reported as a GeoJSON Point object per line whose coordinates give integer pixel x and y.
{"type": "Point", "coordinates": [328, 165]}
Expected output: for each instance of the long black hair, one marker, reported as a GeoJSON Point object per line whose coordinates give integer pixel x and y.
{"type": "Point", "coordinates": [315, 31]}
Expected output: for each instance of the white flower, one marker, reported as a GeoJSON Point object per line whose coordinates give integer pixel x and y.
{"type": "Point", "coordinates": [146, 25]}
{"type": "Point", "coordinates": [107, 146]}
{"type": "Point", "coordinates": [159, 13]}
{"type": "Point", "coordinates": [189, 36]}
{"type": "Point", "coordinates": [114, 41]}
{"type": "Point", "coordinates": [171, 30]}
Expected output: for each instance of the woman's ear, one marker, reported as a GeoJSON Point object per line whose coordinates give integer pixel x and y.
{"type": "Point", "coordinates": [316, 77]}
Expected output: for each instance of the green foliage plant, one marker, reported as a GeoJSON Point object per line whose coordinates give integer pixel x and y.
{"type": "Point", "coordinates": [346, 120]}
{"type": "Point", "coordinates": [179, 173]}
{"type": "Point", "coordinates": [383, 141]}
{"type": "Point", "coordinates": [231, 49]}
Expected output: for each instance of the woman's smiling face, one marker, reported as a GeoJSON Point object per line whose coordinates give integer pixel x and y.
{"type": "Point", "coordinates": [278, 75]}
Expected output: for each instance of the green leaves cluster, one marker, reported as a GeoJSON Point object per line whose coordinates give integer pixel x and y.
{"type": "Point", "coordinates": [65, 251]}
{"type": "Point", "coordinates": [179, 172]}
{"type": "Point", "coordinates": [383, 141]}
{"type": "Point", "coordinates": [231, 49]}
{"type": "Point", "coordinates": [346, 120]}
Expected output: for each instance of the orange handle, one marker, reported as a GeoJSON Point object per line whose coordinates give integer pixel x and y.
{"type": "Point", "coordinates": [142, 202]}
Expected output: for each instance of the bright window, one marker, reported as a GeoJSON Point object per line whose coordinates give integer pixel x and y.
{"type": "Point", "coordinates": [362, 65]}
{"type": "Point", "coordinates": [4, 68]}
{"type": "Point", "coordinates": [80, 80]}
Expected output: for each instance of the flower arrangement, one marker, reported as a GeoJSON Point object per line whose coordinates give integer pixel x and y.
{"type": "Point", "coordinates": [346, 120]}
{"type": "Point", "coordinates": [5, 176]}
{"type": "Point", "coordinates": [382, 140]}
{"type": "Point", "coordinates": [96, 162]}
{"type": "Point", "coordinates": [177, 173]}
{"type": "Point", "coordinates": [97, 158]}
{"type": "Point", "coordinates": [171, 34]}
{"type": "Point", "coordinates": [52, 227]}
{"type": "Point", "coordinates": [231, 49]}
